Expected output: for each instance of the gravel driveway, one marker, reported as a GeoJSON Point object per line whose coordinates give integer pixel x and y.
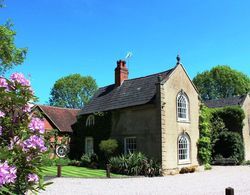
{"type": "Point", "coordinates": [207, 182]}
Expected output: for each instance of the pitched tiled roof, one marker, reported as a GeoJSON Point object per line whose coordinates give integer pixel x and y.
{"type": "Point", "coordinates": [62, 118]}
{"type": "Point", "coordinates": [231, 101]}
{"type": "Point", "coordinates": [132, 92]}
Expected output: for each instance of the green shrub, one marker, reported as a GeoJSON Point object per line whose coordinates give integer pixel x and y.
{"type": "Point", "coordinates": [229, 145]}
{"type": "Point", "coordinates": [108, 146]}
{"type": "Point", "coordinates": [134, 164]}
{"type": "Point", "coordinates": [207, 167]}
{"type": "Point", "coordinates": [246, 162]}
{"type": "Point", "coordinates": [46, 160]}
{"type": "Point", "coordinates": [90, 161]}
{"type": "Point", "coordinates": [232, 117]}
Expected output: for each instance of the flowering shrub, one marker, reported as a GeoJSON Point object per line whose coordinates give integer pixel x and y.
{"type": "Point", "coordinates": [21, 138]}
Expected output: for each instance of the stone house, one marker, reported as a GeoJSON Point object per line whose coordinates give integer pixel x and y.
{"type": "Point", "coordinates": [58, 120]}
{"type": "Point", "coordinates": [244, 102]}
{"type": "Point", "coordinates": [156, 114]}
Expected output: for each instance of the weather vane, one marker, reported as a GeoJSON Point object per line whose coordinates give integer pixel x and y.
{"type": "Point", "coordinates": [178, 58]}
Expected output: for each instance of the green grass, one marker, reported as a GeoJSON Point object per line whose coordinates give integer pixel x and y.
{"type": "Point", "coordinates": [72, 171]}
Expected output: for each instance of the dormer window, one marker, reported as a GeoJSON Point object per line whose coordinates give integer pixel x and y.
{"type": "Point", "coordinates": [90, 121]}
{"type": "Point", "coordinates": [182, 107]}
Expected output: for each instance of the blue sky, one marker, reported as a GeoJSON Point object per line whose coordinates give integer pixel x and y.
{"type": "Point", "coordinates": [89, 36]}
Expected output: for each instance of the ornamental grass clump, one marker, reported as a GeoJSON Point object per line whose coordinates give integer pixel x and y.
{"type": "Point", "coordinates": [21, 138]}
{"type": "Point", "coordinates": [135, 164]}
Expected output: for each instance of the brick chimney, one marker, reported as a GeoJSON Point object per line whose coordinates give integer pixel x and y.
{"type": "Point", "coordinates": [121, 72]}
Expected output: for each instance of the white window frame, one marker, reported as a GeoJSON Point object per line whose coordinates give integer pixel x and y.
{"type": "Point", "coordinates": [90, 120]}
{"type": "Point", "coordinates": [86, 145]}
{"type": "Point", "coordinates": [126, 139]}
{"type": "Point", "coordinates": [181, 108]}
{"type": "Point", "coordinates": [184, 151]}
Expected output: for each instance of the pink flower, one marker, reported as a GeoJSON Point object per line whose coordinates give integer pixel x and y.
{"type": "Point", "coordinates": [7, 173]}
{"type": "Point", "coordinates": [33, 178]}
{"type": "Point", "coordinates": [3, 83]}
{"type": "Point", "coordinates": [2, 114]}
{"type": "Point", "coordinates": [36, 124]}
{"type": "Point", "coordinates": [27, 107]}
{"type": "Point", "coordinates": [34, 142]}
{"type": "Point", "coordinates": [19, 78]}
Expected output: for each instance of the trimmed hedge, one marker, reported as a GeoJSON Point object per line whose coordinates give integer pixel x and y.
{"type": "Point", "coordinates": [232, 117]}
{"type": "Point", "coordinates": [230, 146]}
{"type": "Point", "coordinates": [227, 141]}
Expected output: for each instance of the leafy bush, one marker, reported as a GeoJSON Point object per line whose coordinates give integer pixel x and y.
{"type": "Point", "coordinates": [232, 117]}
{"type": "Point", "coordinates": [229, 145]}
{"type": "Point", "coordinates": [246, 162]}
{"type": "Point", "coordinates": [90, 160]}
{"type": "Point", "coordinates": [46, 160]}
{"type": "Point", "coordinates": [108, 146]}
{"type": "Point", "coordinates": [134, 164]}
{"type": "Point", "coordinates": [207, 167]}
{"type": "Point", "coordinates": [85, 160]}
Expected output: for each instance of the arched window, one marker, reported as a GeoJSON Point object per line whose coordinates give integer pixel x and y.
{"type": "Point", "coordinates": [182, 107]}
{"type": "Point", "coordinates": [90, 120]}
{"type": "Point", "coordinates": [183, 149]}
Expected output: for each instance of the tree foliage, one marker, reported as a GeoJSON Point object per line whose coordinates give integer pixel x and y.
{"type": "Point", "coordinates": [10, 55]}
{"type": "Point", "coordinates": [221, 82]}
{"type": "Point", "coordinates": [72, 91]}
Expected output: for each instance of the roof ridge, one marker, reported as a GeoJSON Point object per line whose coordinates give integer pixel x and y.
{"type": "Point", "coordinates": [58, 107]}
{"type": "Point", "coordinates": [232, 97]}
{"type": "Point", "coordinates": [150, 75]}
{"type": "Point", "coordinates": [139, 78]}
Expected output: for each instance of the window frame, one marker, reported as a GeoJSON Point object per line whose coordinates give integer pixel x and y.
{"type": "Point", "coordinates": [182, 94]}
{"type": "Point", "coordinates": [125, 144]}
{"type": "Point", "coordinates": [90, 121]}
{"type": "Point", "coordinates": [187, 160]}
{"type": "Point", "coordinates": [86, 144]}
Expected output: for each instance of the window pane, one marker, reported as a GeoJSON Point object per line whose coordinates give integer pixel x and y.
{"type": "Point", "coordinates": [130, 145]}
{"type": "Point", "coordinates": [183, 148]}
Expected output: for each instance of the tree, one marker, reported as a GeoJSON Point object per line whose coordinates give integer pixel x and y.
{"type": "Point", "coordinates": [10, 55]}
{"type": "Point", "coordinates": [221, 82]}
{"type": "Point", "coordinates": [72, 91]}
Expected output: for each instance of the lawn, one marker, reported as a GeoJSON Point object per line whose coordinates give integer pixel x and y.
{"type": "Point", "coordinates": [72, 171]}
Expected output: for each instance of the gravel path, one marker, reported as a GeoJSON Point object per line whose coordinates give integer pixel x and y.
{"type": "Point", "coordinates": [208, 182]}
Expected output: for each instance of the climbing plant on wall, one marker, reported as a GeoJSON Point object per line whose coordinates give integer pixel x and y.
{"type": "Point", "coordinates": [204, 142]}
{"type": "Point", "coordinates": [99, 131]}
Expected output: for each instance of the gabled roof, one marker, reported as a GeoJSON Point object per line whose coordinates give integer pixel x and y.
{"type": "Point", "coordinates": [132, 92]}
{"type": "Point", "coordinates": [231, 101]}
{"type": "Point", "coordinates": [62, 118]}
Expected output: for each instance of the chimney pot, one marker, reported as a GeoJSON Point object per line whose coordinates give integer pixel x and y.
{"type": "Point", "coordinates": [121, 72]}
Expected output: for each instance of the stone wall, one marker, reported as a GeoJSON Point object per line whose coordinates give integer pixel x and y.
{"type": "Point", "coordinates": [246, 128]}
{"type": "Point", "coordinates": [171, 128]}
{"type": "Point", "coordinates": [140, 122]}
